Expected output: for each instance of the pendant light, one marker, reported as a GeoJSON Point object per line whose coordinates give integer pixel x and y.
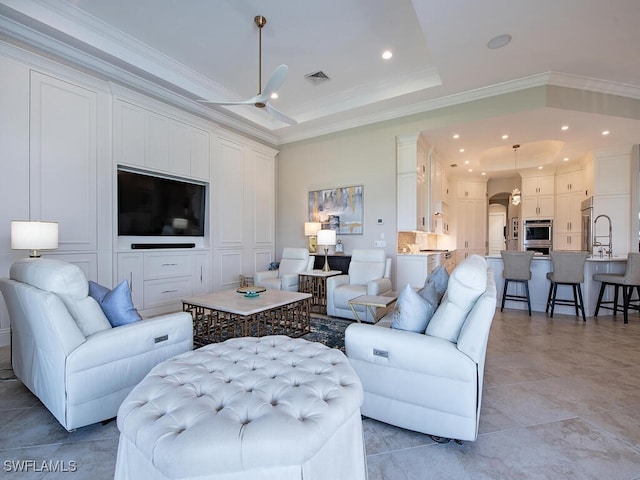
{"type": "Point", "coordinates": [515, 194]}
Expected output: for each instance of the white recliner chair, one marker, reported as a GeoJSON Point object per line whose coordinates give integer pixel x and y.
{"type": "Point", "coordinates": [369, 273]}
{"type": "Point", "coordinates": [65, 351]}
{"type": "Point", "coordinates": [430, 381]}
{"type": "Point", "coordinates": [293, 262]}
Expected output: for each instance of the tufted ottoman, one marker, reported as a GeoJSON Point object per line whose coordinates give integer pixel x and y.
{"type": "Point", "coordinates": [248, 408]}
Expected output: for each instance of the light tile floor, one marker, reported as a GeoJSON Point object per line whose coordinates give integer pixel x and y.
{"type": "Point", "coordinates": [561, 400]}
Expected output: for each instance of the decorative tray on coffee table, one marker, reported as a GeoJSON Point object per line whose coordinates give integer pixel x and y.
{"type": "Point", "coordinates": [251, 291]}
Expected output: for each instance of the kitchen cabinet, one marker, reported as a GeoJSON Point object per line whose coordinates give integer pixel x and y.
{"type": "Point", "coordinates": [471, 227]}
{"type": "Point", "coordinates": [542, 185]}
{"type": "Point", "coordinates": [471, 190]}
{"type": "Point", "coordinates": [412, 183]}
{"type": "Point", "coordinates": [538, 197]}
{"type": "Point", "coordinates": [567, 225]}
{"type": "Point", "coordinates": [413, 269]}
{"type": "Point", "coordinates": [570, 182]}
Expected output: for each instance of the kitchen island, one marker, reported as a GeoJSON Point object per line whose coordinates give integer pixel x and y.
{"type": "Point", "coordinates": [539, 285]}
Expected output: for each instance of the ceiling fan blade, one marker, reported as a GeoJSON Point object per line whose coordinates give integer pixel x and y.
{"type": "Point", "coordinates": [274, 112]}
{"type": "Point", "coordinates": [275, 81]}
{"type": "Point", "coordinates": [250, 101]}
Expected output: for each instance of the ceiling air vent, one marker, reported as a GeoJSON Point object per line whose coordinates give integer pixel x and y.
{"type": "Point", "coordinates": [317, 77]}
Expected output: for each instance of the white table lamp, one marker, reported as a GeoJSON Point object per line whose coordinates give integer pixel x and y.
{"type": "Point", "coordinates": [326, 238]}
{"type": "Point", "coordinates": [311, 230]}
{"type": "Point", "coordinates": [34, 236]}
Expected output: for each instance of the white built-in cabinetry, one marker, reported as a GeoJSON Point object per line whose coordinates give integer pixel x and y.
{"type": "Point", "coordinates": [243, 196]}
{"type": "Point", "coordinates": [538, 197]}
{"type": "Point", "coordinates": [157, 142]}
{"type": "Point", "coordinates": [567, 225]}
{"type": "Point", "coordinates": [612, 197]}
{"type": "Point", "coordinates": [160, 279]}
{"type": "Point", "coordinates": [422, 187]}
{"type": "Point", "coordinates": [414, 269]}
{"type": "Point", "coordinates": [471, 219]}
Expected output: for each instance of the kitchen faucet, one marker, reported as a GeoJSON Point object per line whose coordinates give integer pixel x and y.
{"type": "Point", "coordinates": [599, 244]}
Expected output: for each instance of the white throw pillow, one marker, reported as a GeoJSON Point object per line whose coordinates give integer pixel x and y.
{"type": "Point", "coordinates": [412, 312]}
{"type": "Point", "coordinates": [467, 282]}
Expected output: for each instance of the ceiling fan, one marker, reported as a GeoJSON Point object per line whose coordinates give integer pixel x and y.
{"type": "Point", "coordinates": [277, 78]}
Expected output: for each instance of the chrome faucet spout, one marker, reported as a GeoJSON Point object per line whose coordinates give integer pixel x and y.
{"type": "Point", "coordinates": [597, 243]}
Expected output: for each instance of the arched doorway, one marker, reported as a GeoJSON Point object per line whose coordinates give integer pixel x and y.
{"type": "Point", "coordinates": [503, 226]}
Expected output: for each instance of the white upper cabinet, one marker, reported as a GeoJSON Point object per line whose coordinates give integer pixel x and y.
{"type": "Point", "coordinates": [570, 182]}
{"type": "Point", "coordinates": [543, 185]}
{"type": "Point", "coordinates": [475, 190]}
{"type": "Point", "coordinates": [148, 139]}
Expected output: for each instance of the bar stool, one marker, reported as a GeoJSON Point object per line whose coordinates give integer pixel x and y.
{"type": "Point", "coordinates": [628, 281]}
{"type": "Point", "coordinates": [517, 268]}
{"type": "Point", "coordinates": [568, 269]}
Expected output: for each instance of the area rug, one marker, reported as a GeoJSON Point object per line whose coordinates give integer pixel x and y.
{"type": "Point", "coordinates": [327, 330]}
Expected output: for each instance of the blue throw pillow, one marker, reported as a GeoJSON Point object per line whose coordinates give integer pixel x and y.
{"type": "Point", "coordinates": [411, 312]}
{"type": "Point", "coordinates": [116, 304]}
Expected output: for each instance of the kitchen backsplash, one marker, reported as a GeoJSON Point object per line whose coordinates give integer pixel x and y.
{"type": "Point", "coordinates": [411, 240]}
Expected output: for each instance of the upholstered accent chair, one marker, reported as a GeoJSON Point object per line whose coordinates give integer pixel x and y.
{"type": "Point", "coordinates": [369, 273]}
{"type": "Point", "coordinates": [293, 262]}
{"type": "Point", "coordinates": [65, 350]}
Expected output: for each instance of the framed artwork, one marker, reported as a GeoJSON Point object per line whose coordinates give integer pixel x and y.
{"type": "Point", "coordinates": [338, 209]}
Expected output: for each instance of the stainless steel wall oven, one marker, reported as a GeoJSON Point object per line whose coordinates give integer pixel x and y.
{"type": "Point", "coordinates": [537, 236]}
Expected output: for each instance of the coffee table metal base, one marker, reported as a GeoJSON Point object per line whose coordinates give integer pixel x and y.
{"type": "Point", "coordinates": [213, 325]}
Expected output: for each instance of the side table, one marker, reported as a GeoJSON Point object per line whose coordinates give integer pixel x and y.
{"type": "Point", "coordinates": [373, 302]}
{"type": "Point", "coordinates": [315, 283]}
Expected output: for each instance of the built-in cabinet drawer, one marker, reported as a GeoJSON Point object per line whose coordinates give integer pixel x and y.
{"type": "Point", "coordinates": [161, 279]}
{"type": "Point", "coordinates": [166, 291]}
{"type": "Point", "coordinates": [162, 265]}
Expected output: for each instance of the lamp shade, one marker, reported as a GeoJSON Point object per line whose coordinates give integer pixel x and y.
{"type": "Point", "coordinates": [326, 237]}
{"type": "Point", "coordinates": [311, 228]}
{"type": "Point", "coordinates": [34, 236]}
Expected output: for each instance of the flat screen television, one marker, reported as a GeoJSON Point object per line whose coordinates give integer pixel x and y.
{"type": "Point", "coordinates": [158, 206]}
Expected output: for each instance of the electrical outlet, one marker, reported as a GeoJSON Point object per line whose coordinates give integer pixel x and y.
{"type": "Point", "coordinates": [380, 243]}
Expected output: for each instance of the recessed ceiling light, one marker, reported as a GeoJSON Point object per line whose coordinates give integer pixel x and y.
{"type": "Point", "coordinates": [499, 41]}
{"type": "Point", "coordinates": [565, 127]}
{"type": "Point", "coordinates": [606, 132]}
{"type": "Point", "coordinates": [470, 170]}
{"type": "Point", "coordinates": [466, 162]}
{"type": "Point", "coordinates": [504, 137]}
{"type": "Point", "coordinates": [387, 54]}
{"type": "Point", "coordinates": [462, 150]}
{"type": "Point", "coordinates": [456, 136]}
{"type": "Point", "coordinates": [540, 167]}
{"type": "Point", "coordinates": [483, 173]}
{"type": "Point", "coordinates": [565, 159]}
{"type": "Point", "coordinates": [274, 95]}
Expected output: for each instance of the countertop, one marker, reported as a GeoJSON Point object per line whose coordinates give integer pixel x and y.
{"type": "Point", "coordinates": [590, 258]}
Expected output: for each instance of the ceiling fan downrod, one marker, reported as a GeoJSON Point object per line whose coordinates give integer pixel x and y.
{"type": "Point", "coordinates": [260, 21]}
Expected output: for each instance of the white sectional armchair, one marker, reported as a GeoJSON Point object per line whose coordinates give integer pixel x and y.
{"type": "Point", "coordinates": [430, 382]}
{"type": "Point", "coordinates": [65, 351]}
{"type": "Point", "coordinates": [369, 273]}
{"type": "Point", "coordinates": [293, 262]}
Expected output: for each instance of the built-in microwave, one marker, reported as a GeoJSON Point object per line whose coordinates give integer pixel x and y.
{"type": "Point", "coordinates": [538, 231]}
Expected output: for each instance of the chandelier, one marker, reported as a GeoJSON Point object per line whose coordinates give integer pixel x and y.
{"type": "Point", "coordinates": [515, 194]}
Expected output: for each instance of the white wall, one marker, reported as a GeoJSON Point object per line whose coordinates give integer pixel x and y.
{"type": "Point", "coordinates": [366, 157]}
